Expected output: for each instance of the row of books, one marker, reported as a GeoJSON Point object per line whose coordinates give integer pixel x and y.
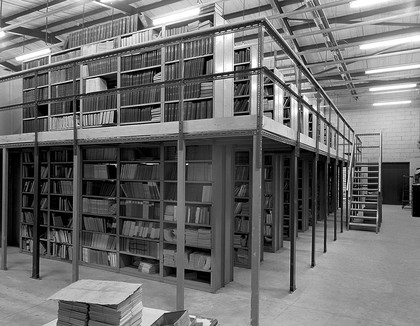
{"type": "Point", "coordinates": [26, 231]}
{"type": "Point", "coordinates": [171, 112]}
{"type": "Point", "coordinates": [28, 157]}
{"type": "Point", "coordinates": [198, 47]}
{"type": "Point", "coordinates": [195, 90]}
{"type": "Point", "coordinates": [64, 107]}
{"type": "Point", "coordinates": [194, 214]}
{"type": "Point", "coordinates": [99, 224]}
{"type": "Point", "coordinates": [241, 190]}
{"type": "Point", "coordinates": [139, 247]}
{"type": "Point", "coordinates": [65, 122]}
{"type": "Point", "coordinates": [198, 110]}
{"type": "Point", "coordinates": [241, 224]}
{"type": "Point", "coordinates": [62, 251]}
{"type": "Point", "coordinates": [35, 63]}
{"type": "Point", "coordinates": [143, 190]}
{"type": "Point", "coordinates": [28, 171]}
{"type": "Point", "coordinates": [99, 240]}
{"type": "Point", "coordinates": [241, 88]}
{"type": "Point", "coordinates": [241, 172]}
{"type": "Point", "coordinates": [61, 236]}
{"type": "Point", "coordinates": [139, 114]}
{"type": "Point", "coordinates": [66, 89]}
{"type": "Point", "coordinates": [58, 203]}
{"type": "Point", "coordinates": [268, 187]}
{"type": "Point", "coordinates": [99, 206]}
{"type": "Point", "coordinates": [268, 172]}
{"type": "Point", "coordinates": [268, 202]}
{"type": "Point", "coordinates": [66, 55]}
{"type": "Point", "coordinates": [27, 201]}
{"type": "Point", "coordinates": [100, 171]}
{"type": "Point", "coordinates": [101, 154]}
{"type": "Point", "coordinates": [148, 266]}
{"type": "Point", "coordinates": [141, 229]}
{"type": "Point", "coordinates": [99, 118]}
{"type": "Point", "coordinates": [99, 188]}
{"type": "Point", "coordinates": [65, 74]}
{"type": "Point", "coordinates": [58, 220]}
{"type": "Point", "coordinates": [98, 257]}
{"type": "Point", "coordinates": [38, 94]}
{"type": "Point", "coordinates": [64, 187]}
{"type": "Point", "coordinates": [198, 171]}
{"type": "Point", "coordinates": [103, 31]}
{"type": "Point", "coordinates": [172, 52]}
{"type": "Point", "coordinates": [268, 105]}
{"type": "Point", "coordinates": [192, 259]}
{"type": "Point", "coordinates": [198, 67]}
{"type": "Point", "coordinates": [141, 96]}
{"type": "Point", "coordinates": [29, 125]}
{"type": "Point", "coordinates": [138, 171]}
{"type": "Point", "coordinates": [61, 156]}
{"type": "Point", "coordinates": [31, 82]}
{"type": "Point", "coordinates": [268, 218]}
{"type": "Point", "coordinates": [141, 60]}
{"type": "Point", "coordinates": [200, 237]}
{"type": "Point", "coordinates": [102, 102]}
{"type": "Point", "coordinates": [240, 240]}
{"type": "Point", "coordinates": [139, 78]}
{"type": "Point", "coordinates": [242, 55]}
{"type": "Point", "coordinates": [268, 231]}
{"type": "Point", "coordinates": [140, 209]}
{"type": "Point", "coordinates": [89, 49]}
{"type": "Point", "coordinates": [28, 186]}
{"type": "Point", "coordinates": [58, 171]}
{"type": "Point", "coordinates": [28, 217]}
{"type": "Point", "coordinates": [241, 256]}
{"type": "Point", "coordinates": [172, 71]}
{"type": "Point", "coordinates": [140, 37]}
{"type": "Point", "coordinates": [241, 105]}
{"type": "Point", "coordinates": [241, 208]}
{"type": "Point", "coordinates": [190, 27]}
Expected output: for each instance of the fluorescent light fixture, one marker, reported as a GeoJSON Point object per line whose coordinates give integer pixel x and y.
{"type": "Point", "coordinates": [397, 41]}
{"type": "Point", "coordinates": [2, 33]}
{"type": "Point", "coordinates": [177, 16]}
{"type": "Point", "coordinates": [365, 3]}
{"type": "Point", "coordinates": [392, 87]}
{"type": "Point", "coordinates": [399, 91]}
{"type": "Point", "coordinates": [32, 55]}
{"type": "Point", "coordinates": [391, 103]}
{"type": "Point", "coordinates": [392, 69]}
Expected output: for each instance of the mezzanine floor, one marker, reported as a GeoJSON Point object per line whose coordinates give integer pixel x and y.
{"type": "Point", "coordinates": [363, 279]}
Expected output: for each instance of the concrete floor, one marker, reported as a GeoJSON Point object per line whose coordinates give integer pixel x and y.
{"type": "Point", "coordinates": [363, 279]}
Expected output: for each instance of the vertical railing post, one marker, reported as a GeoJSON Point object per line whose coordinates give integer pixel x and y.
{"type": "Point", "coordinates": [4, 208]}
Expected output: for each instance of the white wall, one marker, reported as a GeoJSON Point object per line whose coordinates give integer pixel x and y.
{"type": "Point", "coordinates": [400, 128]}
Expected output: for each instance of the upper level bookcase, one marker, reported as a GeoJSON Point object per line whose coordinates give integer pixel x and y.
{"type": "Point", "coordinates": [150, 65]}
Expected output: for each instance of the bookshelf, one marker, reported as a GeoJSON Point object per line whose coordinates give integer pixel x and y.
{"type": "Point", "coordinates": [286, 197]}
{"type": "Point", "coordinates": [98, 234]}
{"type": "Point", "coordinates": [301, 199]}
{"type": "Point", "coordinates": [271, 228]}
{"type": "Point", "coordinates": [60, 207]}
{"type": "Point", "coordinates": [242, 209]}
{"type": "Point", "coordinates": [55, 203]}
{"type": "Point", "coordinates": [243, 58]}
{"type": "Point", "coordinates": [200, 256]}
{"type": "Point", "coordinates": [140, 174]}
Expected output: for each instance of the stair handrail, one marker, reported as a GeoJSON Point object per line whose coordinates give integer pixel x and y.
{"type": "Point", "coordinates": [379, 203]}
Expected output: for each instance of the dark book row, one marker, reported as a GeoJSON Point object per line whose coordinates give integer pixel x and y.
{"type": "Point", "coordinates": [99, 67]}
{"type": "Point", "coordinates": [141, 60]}
{"type": "Point", "coordinates": [32, 81]}
{"type": "Point", "coordinates": [143, 113]}
{"type": "Point", "coordinates": [141, 96]}
{"type": "Point", "coordinates": [198, 47]}
{"type": "Point", "coordinates": [35, 94]}
{"type": "Point", "coordinates": [102, 102]}
{"type": "Point", "coordinates": [64, 74]}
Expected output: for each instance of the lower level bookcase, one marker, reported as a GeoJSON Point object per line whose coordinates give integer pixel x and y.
{"type": "Point", "coordinates": [128, 210]}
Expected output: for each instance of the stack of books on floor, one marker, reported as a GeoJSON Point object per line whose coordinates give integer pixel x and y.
{"type": "Point", "coordinates": [94, 302]}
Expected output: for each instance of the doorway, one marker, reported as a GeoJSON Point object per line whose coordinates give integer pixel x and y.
{"type": "Point", "coordinates": [393, 182]}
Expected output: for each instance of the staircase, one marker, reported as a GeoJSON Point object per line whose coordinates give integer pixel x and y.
{"type": "Point", "coordinates": [365, 195]}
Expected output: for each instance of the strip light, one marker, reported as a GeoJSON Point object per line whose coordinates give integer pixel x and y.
{"type": "Point", "coordinates": [391, 103]}
{"type": "Point", "coordinates": [397, 41]}
{"type": "Point", "coordinates": [177, 16]}
{"type": "Point", "coordinates": [391, 87]}
{"type": "Point", "coordinates": [365, 3]}
{"type": "Point", "coordinates": [391, 69]}
{"type": "Point", "coordinates": [2, 33]}
{"type": "Point", "coordinates": [32, 55]}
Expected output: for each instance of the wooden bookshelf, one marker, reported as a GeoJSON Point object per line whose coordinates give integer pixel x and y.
{"type": "Point", "coordinates": [242, 209]}
{"type": "Point", "coordinates": [271, 205]}
{"type": "Point", "coordinates": [98, 234]}
{"type": "Point", "coordinates": [242, 84]}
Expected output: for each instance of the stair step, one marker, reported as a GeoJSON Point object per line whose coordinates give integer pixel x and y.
{"type": "Point", "coordinates": [373, 203]}
{"type": "Point", "coordinates": [362, 226]}
{"type": "Point", "coordinates": [363, 217]}
{"type": "Point", "coordinates": [363, 209]}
